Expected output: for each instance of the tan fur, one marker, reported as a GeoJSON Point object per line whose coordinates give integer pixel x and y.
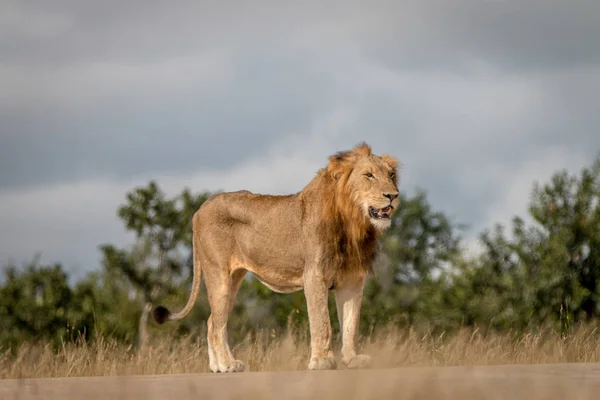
{"type": "Point", "coordinates": [317, 240]}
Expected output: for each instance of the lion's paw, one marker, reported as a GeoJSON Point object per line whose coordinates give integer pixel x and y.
{"type": "Point", "coordinates": [322, 363]}
{"type": "Point", "coordinates": [236, 366]}
{"type": "Point", "coordinates": [233, 366]}
{"type": "Point", "coordinates": [359, 361]}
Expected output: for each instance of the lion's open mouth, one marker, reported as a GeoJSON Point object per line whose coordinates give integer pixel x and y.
{"type": "Point", "coordinates": [380, 213]}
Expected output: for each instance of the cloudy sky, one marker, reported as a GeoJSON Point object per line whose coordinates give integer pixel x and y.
{"type": "Point", "coordinates": [477, 99]}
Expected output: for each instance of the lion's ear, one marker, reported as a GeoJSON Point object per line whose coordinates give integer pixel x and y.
{"type": "Point", "coordinates": [362, 149]}
{"type": "Point", "coordinates": [335, 168]}
{"type": "Point", "coordinates": [391, 161]}
{"type": "Point", "coordinates": [338, 164]}
{"type": "Point", "coordinates": [337, 174]}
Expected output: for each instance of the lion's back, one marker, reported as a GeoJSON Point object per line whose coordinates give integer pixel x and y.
{"type": "Point", "coordinates": [244, 206]}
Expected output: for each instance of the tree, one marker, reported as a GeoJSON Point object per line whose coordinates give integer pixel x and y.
{"type": "Point", "coordinates": [549, 271]}
{"type": "Point", "coordinates": [566, 214]}
{"type": "Point", "coordinates": [154, 266]}
{"type": "Point", "coordinates": [419, 246]}
{"type": "Point", "coordinates": [102, 304]}
{"type": "Point", "coordinates": [420, 241]}
{"type": "Point", "coordinates": [34, 304]}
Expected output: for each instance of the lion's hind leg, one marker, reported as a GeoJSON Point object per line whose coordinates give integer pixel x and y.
{"type": "Point", "coordinates": [221, 295]}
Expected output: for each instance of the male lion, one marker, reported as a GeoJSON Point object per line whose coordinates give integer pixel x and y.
{"type": "Point", "coordinates": [322, 238]}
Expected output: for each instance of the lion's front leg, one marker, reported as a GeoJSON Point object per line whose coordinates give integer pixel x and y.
{"type": "Point", "coordinates": [348, 301]}
{"type": "Point", "coordinates": [316, 294]}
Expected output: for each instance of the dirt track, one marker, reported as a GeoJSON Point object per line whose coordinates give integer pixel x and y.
{"type": "Point", "coordinates": [557, 381]}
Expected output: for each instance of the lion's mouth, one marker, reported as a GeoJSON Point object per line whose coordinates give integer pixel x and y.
{"type": "Point", "coordinates": [380, 213]}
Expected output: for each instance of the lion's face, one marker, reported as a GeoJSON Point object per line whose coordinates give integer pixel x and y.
{"type": "Point", "coordinates": [369, 182]}
{"type": "Point", "coordinates": [373, 183]}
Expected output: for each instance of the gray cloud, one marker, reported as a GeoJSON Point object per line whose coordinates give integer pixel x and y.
{"type": "Point", "coordinates": [128, 136]}
{"type": "Point", "coordinates": [470, 95]}
{"type": "Point", "coordinates": [73, 127]}
{"type": "Point", "coordinates": [523, 36]}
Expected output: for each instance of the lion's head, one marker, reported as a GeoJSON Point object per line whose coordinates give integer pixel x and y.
{"type": "Point", "coordinates": [367, 184]}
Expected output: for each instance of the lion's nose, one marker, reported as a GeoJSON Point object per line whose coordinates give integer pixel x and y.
{"type": "Point", "coordinates": [390, 196]}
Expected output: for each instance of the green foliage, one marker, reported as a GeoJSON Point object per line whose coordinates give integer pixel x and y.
{"type": "Point", "coordinates": [542, 270]}
{"type": "Point", "coordinates": [420, 241]}
{"type": "Point", "coordinates": [162, 250]}
{"type": "Point", "coordinates": [104, 304]}
{"type": "Point", "coordinates": [155, 265]}
{"type": "Point", "coordinates": [419, 246]}
{"type": "Point", "coordinates": [34, 304]}
{"type": "Point", "coordinates": [546, 272]}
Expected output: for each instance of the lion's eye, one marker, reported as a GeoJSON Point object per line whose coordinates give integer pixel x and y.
{"type": "Point", "coordinates": [392, 175]}
{"type": "Point", "coordinates": [369, 175]}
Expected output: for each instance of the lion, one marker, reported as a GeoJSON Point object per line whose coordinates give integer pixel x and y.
{"type": "Point", "coordinates": [320, 239]}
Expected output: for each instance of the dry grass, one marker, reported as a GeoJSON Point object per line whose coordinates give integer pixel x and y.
{"type": "Point", "coordinates": [390, 348]}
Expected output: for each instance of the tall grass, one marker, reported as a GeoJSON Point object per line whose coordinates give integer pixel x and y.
{"type": "Point", "coordinates": [264, 351]}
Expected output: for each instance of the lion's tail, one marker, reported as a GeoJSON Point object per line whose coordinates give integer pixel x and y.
{"type": "Point", "coordinates": [161, 314]}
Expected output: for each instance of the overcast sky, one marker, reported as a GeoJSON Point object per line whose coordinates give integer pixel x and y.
{"type": "Point", "coordinates": [477, 99]}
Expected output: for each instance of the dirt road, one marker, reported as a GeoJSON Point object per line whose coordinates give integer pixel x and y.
{"type": "Point", "coordinates": [557, 381]}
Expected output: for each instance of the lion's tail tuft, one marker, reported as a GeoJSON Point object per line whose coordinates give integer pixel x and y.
{"type": "Point", "coordinates": [161, 315]}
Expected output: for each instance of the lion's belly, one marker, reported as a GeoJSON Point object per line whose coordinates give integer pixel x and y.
{"type": "Point", "coordinates": [277, 274]}
{"type": "Point", "coordinates": [281, 286]}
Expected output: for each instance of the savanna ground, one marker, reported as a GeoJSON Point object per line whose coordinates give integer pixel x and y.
{"type": "Point", "coordinates": [390, 347]}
